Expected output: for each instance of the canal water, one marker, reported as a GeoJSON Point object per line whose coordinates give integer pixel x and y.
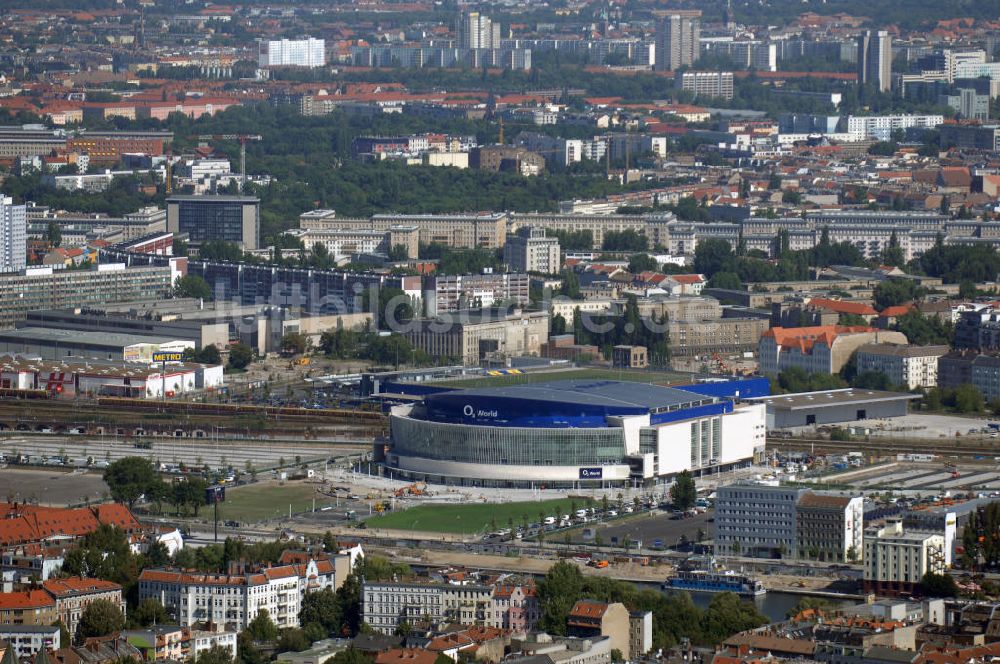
{"type": "Point", "coordinates": [774, 605]}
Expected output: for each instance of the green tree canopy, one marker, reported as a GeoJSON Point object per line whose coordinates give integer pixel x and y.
{"type": "Point", "coordinates": [100, 618]}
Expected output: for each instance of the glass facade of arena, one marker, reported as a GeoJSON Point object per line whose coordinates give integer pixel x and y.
{"type": "Point", "coordinates": [507, 445]}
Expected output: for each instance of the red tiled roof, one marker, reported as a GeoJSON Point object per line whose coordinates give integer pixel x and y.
{"type": "Point", "coordinates": [21, 524]}
{"type": "Point", "coordinates": [25, 599]}
{"type": "Point", "coordinates": [843, 307]}
{"type": "Point", "coordinates": [76, 585]}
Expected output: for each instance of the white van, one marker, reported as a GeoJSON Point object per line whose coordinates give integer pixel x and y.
{"type": "Point", "coordinates": [581, 513]}
{"type": "Point", "coordinates": [549, 520]}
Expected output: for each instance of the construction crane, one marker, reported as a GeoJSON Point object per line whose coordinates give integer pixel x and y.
{"type": "Point", "coordinates": [242, 138]}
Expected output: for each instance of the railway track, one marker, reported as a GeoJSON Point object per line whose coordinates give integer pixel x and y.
{"type": "Point", "coordinates": [960, 447]}
{"type": "Point", "coordinates": [122, 417]}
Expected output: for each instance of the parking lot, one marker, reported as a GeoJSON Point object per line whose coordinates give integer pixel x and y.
{"type": "Point", "coordinates": [655, 529]}
{"type": "Point", "coordinates": [214, 453]}
{"type": "Point", "coordinates": [56, 487]}
{"type": "Point", "coordinates": [933, 476]}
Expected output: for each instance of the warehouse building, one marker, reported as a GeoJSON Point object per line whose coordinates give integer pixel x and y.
{"type": "Point", "coordinates": [572, 433]}
{"type": "Point", "coordinates": [833, 407]}
{"type": "Point", "coordinates": [54, 344]}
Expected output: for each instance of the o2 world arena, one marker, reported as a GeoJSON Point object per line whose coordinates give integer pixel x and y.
{"type": "Point", "coordinates": [575, 433]}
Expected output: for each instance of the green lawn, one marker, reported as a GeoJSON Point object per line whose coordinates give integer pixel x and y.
{"type": "Point", "coordinates": [634, 376]}
{"type": "Point", "coordinates": [257, 502]}
{"type": "Point", "coordinates": [469, 519]}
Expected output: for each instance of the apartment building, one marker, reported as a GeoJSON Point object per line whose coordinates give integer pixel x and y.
{"type": "Point", "coordinates": [589, 618]}
{"type": "Point", "coordinates": [880, 127]}
{"type": "Point", "coordinates": [678, 40]}
{"type": "Point", "coordinates": [27, 640]}
{"type": "Point", "coordinates": [27, 607]}
{"type": "Point", "coordinates": [344, 243]}
{"type": "Point", "coordinates": [387, 605]}
{"type": "Point", "coordinates": [515, 607]}
{"type": "Point", "coordinates": [910, 366]}
{"type": "Point", "coordinates": [823, 349]}
{"type": "Point", "coordinates": [895, 559]}
{"type": "Point", "coordinates": [13, 235]}
{"type": "Point", "coordinates": [875, 59]}
{"type": "Point", "coordinates": [233, 600]}
{"type": "Point", "coordinates": [447, 293]}
{"type": "Point", "coordinates": [45, 288]}
{"type": "Point", "coordinates": [74, 594]}
{"type": "Point", "coordinates": [765, 520]}
{"type": "Point", "coordinates": [706, 83]}
{"type": "Point", "coordinates": [471, 337]}
{"type": "Point", "coordinates": [306, 52]}
{"type": "Point", "coordinates": [718, 335]}
{"type": "Point", "coordinates": [173, 643]}
{"type": "Point", "coordinates": [531, 250]}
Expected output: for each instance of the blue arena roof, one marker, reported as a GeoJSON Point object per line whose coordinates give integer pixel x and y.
{"type": "Point", "coordinates": [567, 403]}
{"type": "Point", "coordinates": [595, 393]}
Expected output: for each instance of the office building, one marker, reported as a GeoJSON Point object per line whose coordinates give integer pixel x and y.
{"type": "Point", "coordinates": [896, 559]}
{"type": "Point", "coordinates": [829, 528]}
{"type": "Point", "coordinates": [471, 337]}
{"type": "Point", "coordinates": [875, 59]}
{"type": "Point", "coordinates": [756, 520]}
{"type": "Point", "coordinates": [978, 137]}
{"type": "Point", "coordinates": [968, 104]}
{"type": "Point", "coordinates": [910, 367]}
{"type": "Point", "coordinates": [678, 42]}
{"type": "Point", "coordinates": [570, 434]}
{"type": "Point", "coordinates": [306, 52]}
{"type": "Point", "coordinates": [234, 219]}
{"type": "Point", "coordinates": [706, 83]}
{"type": "Point", "coordinates": [347, 242]}
{"type": "Point", "coordinates": [531, 250]}
{"type": "Point", "coordinates": [765, 520]}
{"type": "Point", "coordinates": [13, 235]}
{"type": "Point", "coordinates": [477, 31]}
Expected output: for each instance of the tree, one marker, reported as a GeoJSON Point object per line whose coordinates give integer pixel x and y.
{"type": "Point", "coordinates": [240, 356]}
{"type": "Point", "coordinates": [557, 593]}
{"type": "Point", "coordinates": [294, 343]}
{"type": "Point", "coordinates": [683, 493]}
{"type": "Point", "coordinates": [353, 656]}
{"type": "Point", "coordinates": [727, 614]}
{"type": "Point", "coordinates": [192, 285]}
{"type": "Point", "coordinates": [149, 612]}
{"type": "Point", "coordinates": [938, 585]}
{"type": "Point", "coordinates": [129, 478]}
{"type": "Point", "coordinates": [897, 291]}
{"type": "Point", "coordinates": [209, 355]}
{"type": "Point", "coordinates": [712, 256]}
{"type": "Point", "coordinates": [53, 234]}
{"type": "Point", "coordinates": [968, 399]}
{"type": "Point", "coordinates": [262, 628]}
{"type": "Point", "coordinates": [322, 608]}
{"type": "Point", "coordinates": [100, 618]}
{"type": "Point", "coordinates": [293, 640]}
{"type": "Point", "coordinates": [642, 263]}
{"type": "Point", "coordinates": [726, 280]}
{"type": "Point", "coordinates": [215, 655]}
